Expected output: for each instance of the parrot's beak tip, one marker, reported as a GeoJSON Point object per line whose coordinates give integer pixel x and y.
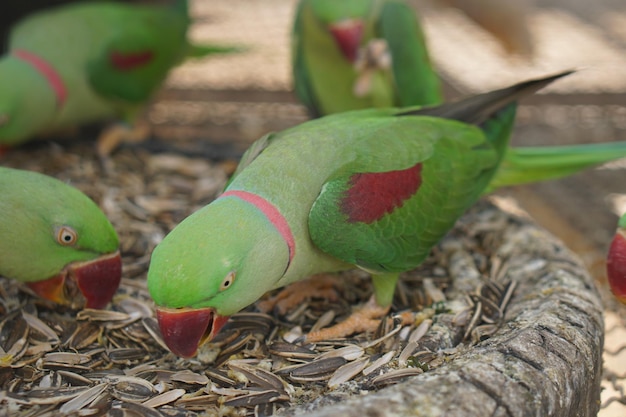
{"type": "Point", "coordinates": [98, 280]}
{"type": "Point", "coordinates": [89, 284]}
{"type": "Point", "coordinates": [185, 329]}
{"type": "Point", "coordinates": [616, 265]}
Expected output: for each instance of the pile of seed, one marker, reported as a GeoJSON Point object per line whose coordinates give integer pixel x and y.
{"type": "Point", "coordinates": [114, 361]}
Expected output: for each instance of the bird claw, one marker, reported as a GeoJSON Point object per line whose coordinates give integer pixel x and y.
{"type": "Point", "coordinates": [119, 133]}
{"type": "Point", "coordinates": [318, 286]}
{"type": "Point", "coordinates": [365, 319]}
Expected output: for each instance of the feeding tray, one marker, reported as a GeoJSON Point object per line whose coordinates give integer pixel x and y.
{"type": "Point", "coordinates": [504, 321]}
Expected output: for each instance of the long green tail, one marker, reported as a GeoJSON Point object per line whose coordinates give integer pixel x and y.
{"type": "Point", "coordinates": [533, 164]}
{"type": "Point", "coordinates": [202, 50]}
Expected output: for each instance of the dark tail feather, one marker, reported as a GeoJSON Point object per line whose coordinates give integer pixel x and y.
{"type": "Point", "coordinates": [477, 109]}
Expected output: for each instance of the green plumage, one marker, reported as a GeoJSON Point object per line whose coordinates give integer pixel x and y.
{"type": "Point", "coordinates": [315, 198]}
{"type": "Point", "coordinates": [399, 73]}
{"type": "Point", "coordinates": [109, 57]}
{"type": "Point", "coordinates": [34, 207]}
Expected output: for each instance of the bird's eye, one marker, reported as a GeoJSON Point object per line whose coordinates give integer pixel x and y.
{"type": "Point", "coordinates": [4, 119]}
{"type": "Point", "coordinates": [228, 281]}
{"type": "Point", "coordinates": [66, 236]}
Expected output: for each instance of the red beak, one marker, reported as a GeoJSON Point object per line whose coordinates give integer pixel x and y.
{"type": "Point", "coordinates": [89, 284]}
{"type": "Point", "coordinates": [348, 34]}
{"type": "Point", "coordinates": [616, 265]}
{"type": "Point", "coordinates": [185, 329]}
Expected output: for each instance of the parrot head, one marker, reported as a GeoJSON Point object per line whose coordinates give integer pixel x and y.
{"type": "Point", "coordinates": [616, 262]}
{"type": "Point", "coordinates": [89, 284]}
{"type": "Point", "coordinates": [216, 262]}
{"type": "Point", "coordinates": [57, 241]}
{"type": "Point", "coordinates": [345, 20]}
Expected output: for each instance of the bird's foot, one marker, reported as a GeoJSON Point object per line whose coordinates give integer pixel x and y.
{"type": "Point", "coordinates": [119, 133]}
{"type": "Point", "coordinates": [318, 286]}
{"type": "Point", "coordinates": [365, 319]}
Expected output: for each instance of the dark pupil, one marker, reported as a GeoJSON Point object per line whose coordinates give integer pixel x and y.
{"type": "Point", "coordinates": [67, 238]}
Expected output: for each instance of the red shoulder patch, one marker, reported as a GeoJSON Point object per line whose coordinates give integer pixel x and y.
{"type": "Point", "coordinates": [130, 61]}
{"type": "Point", "coordinates": [372, 195]}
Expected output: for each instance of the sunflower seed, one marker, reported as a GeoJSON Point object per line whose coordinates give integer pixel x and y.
{"type": "Point", "coordinates": [420, 331]}
{"type": "Point", "coordinates": [395, 376]}
{"type": "Point", "coordinates": [164, 398]}
{"type": "Point", "coordinates": [189, 377]}
{"type": "Point", "coordinates": [42, 328]}
{"type": "Point", "coordinates": [68, 358]}
{"type": "Point", "coordinates": [346, 372]}
{"type": "Point", "coordinates": [89, 314]}
{"type": "Point", "coordinates": [135, 409]}
{"type": "Point", "coordinates": [82, 399]}
{"type": "Point", "coordinates": [383, 360]}
{"type": "Point", "coordinates": [349, 353]}
{"type": "Point", "coordinates": [49, 395]}
{"type": "Point", "coordinates": [317, 370]}
{"type": "Point", "coordinates": [131, 389]}
{"type": "Point", "coordinates": [260, 377]}
{"type": "Point", "coordinates": [292, 351]}
{"type": "Point", "coordinates": [256, 398]}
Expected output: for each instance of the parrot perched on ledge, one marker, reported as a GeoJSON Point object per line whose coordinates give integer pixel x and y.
{"type": "Point", "coordinates": [57, 241]}
{"type": "Point", "coordinates": [374, 189]}
{"type": "Point", "coordinates": [358, 54]}
{"type": "Point", "coordinates": [89, 61]}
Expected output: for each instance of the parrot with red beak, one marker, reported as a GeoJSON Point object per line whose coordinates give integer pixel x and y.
{"type": "Point", "coordinates": [374, 189]}
{"type": "Point", "coordinates": [616, 261]}
{"type": "Point", "coordinates": [358, 54]}
{"type": "Point", "coordinates": [57, 241]}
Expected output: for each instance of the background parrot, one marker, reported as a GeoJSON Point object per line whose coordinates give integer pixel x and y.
{"type": "Point", "coordinates": [89, 61]}
{"type": "Point", "coordinates": [56, 240]}
{"type": "Point", "coordinates": [374, 189]}
{"type": "Point", "coordinates": [616, 261]}
{"type": "Point", "coordinates": [358, 54]}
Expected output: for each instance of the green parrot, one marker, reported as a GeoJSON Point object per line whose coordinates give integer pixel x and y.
{"type": "Point", "coordinates": [358, 54]}
{"type": "Point", "coordinates": [374, 189]}
{"type": "Point", "coordinates": [56, 240]}
{"type": "Point", "coordinates": [616, 261]}
{"type": "Point", "coordinates": [88, 61]}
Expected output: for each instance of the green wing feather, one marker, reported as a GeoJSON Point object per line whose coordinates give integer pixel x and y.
{"type": "Point", "coordinates": [416, 82]}
{"type": "Point", "coordinates": [401, 240]}
{"type": "Point", "coordinates": [460, 149]}
{"type": "Point", "coordinates": [301, 77]}
{"type": "Point", "coordinates": [533, 164]}
{"type": "Point", "coordinates": [159, 31]}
